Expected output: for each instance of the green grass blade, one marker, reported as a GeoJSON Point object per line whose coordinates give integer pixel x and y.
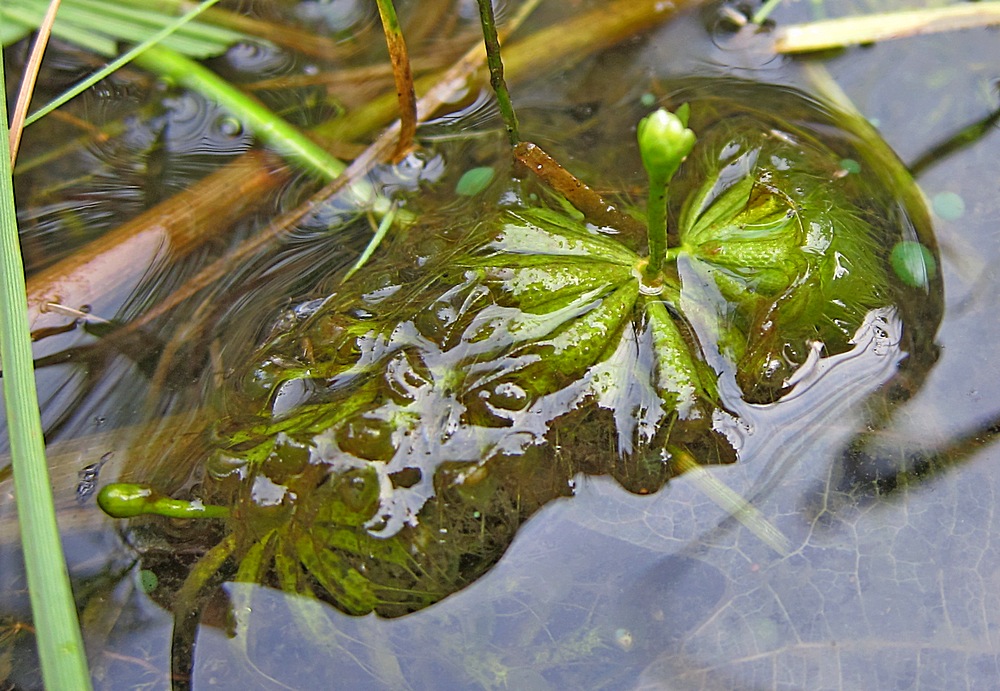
{"type": "Point", "coordinates": [82, 86]}
{"type": "Point", "coordinates": [165, 61]}
{"type": "Point", "coordinates": [60, 645]}
{"type": "Point", "coordinates": [271, 129]}
{"type": "Point", "coordinates": [92, 42]}
{"type": "Point", "coordinates": [130, 24]}
{"type": "Point", "coordinates": [12, 30]}
{"type": "Point", "coordinates": [100, 9]}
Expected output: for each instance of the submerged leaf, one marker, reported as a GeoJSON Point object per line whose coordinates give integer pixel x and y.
{"type": "Point", "coordinates": [797, 254]}
{"type": "Point", "coordinates": [388, 446]}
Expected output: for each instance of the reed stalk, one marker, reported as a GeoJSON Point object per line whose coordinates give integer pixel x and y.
{"type": "Point", "coordinates": [60, 644]}
{"type": "Point", "coordinates": [495, 63]}
{"type": "Point", "coordinates": [403, 76]}
{"type": "Point", "coordinates": [883, 26]}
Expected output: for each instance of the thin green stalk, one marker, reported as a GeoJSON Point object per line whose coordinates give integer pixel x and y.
{"type": "Point", "coordinates": [271, 129]}
{"type": "Point", "coordinates": [373, 244]}
{"type": "Point", "coordinates": [495, 63]}
{"type": "Point", "coordinates": [656, 222]}
{"type": "Point", "coordinates": [60, 645]}
{"type": "Point", "coordinates": [761, 15]}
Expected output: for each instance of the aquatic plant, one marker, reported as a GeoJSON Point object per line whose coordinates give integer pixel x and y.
{"type": "Point", "coordinates": [60, 644]}
{"type": "Point", "coordinates": [270, 545]}
{"type": "Point", "coordinates": [384, 444]}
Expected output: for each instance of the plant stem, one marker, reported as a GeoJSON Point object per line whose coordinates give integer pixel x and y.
{"type": "Point", "coordinates": [270, 128]}
{"type": "Point", "coordinates": [966, 136]}
{"type": "Point", "coordinates": [594, 207]}
{"type": "Point", "coordinates": [60, 644]}
{"type": "Point", "coordinates": [761, 15]}
{"type": "Point", "coordinates": [187, 610]}
{"type": "Point", "coordinates": [656, 225]}
{"type": "Point", "coordinates": [403, 76]}
{"type": "Point", "coordinates": [664, 142]}
{"type": "Point", "coordinates": [495, 63]}
{"type": "Point", "coordinates": [731, 502]}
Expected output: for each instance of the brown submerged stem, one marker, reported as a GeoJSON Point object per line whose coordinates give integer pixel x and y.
{"type": "Point", "coordinates": [403, 76]}
{"type": "Point", "coordinates": [590, 203]}
{"type": "Point", "coordinates": [120, 258]}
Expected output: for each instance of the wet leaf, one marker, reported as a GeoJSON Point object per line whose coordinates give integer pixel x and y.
{"type": "Point", "coordinates": [474, 181]}
{"type": "Point", "coordinates": [387, 447]}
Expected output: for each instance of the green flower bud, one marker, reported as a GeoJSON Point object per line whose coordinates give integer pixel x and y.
{"type": "Point", "coordinates": [664, 142]}
{"type": "Point", "coordinates": [126, 500]}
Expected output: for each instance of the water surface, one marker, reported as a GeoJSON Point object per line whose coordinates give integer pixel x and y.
{"type": "Point", "coordinates": [889, 580]}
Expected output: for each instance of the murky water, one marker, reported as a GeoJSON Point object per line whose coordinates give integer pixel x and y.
{"type": "Point", "coordinates": [887, 576]}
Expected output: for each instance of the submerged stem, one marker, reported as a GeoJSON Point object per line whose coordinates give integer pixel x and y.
{"type": "Point", "coordinates": [731, 502]}
{"type": "Point", "coordinates": [594, 207]}
{"type": "Point", "coordinates": [656, 225]}
{"type": "Point", "coordinates": [495, 63]}
{"type": "Point", "coordinates": [187, 610]}
{"type": "Point", "coordinates": [403, 75]}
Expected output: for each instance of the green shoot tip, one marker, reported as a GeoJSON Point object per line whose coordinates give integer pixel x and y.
{"type": "Point", "coordinates": [664, 142]}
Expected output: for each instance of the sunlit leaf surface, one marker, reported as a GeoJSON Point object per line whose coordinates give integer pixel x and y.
{"type": "Point", "coordinates": [385, 444]}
